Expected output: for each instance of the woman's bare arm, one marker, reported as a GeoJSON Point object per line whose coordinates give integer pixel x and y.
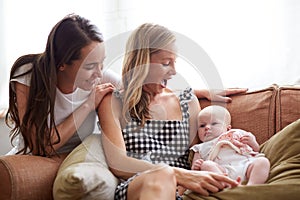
{"type": "Point", "coordinates": [69, 126]}
{"type": "Point", "coordinates": [121, 165]}
{"type": "Point", "coordinates": [221, 96]}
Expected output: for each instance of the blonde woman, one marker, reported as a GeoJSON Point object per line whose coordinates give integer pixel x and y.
{"type": "Point", "coordinates": [147, 129]}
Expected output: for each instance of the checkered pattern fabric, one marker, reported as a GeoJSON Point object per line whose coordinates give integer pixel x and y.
{"type": "Point", "coordinates": [158, 141]}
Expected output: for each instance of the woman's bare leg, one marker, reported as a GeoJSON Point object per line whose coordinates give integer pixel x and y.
{"type": "Point", "coordinates": [159, 183]}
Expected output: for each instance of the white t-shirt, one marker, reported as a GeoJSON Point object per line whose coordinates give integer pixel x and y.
{"type": "Point", "coordinates": [65, 104]}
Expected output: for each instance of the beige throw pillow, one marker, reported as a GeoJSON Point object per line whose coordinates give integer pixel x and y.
{"type": "Point", "coordinates": [84, 174]}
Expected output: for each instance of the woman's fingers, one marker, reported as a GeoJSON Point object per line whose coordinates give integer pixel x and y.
{"type": "Point", "coordinates": [221, 96]}
{"type": "Point", "coordinates": [203, 192]}
{"type": "Point", "coordinates": [222, 99]}
{"type": "Point", "coordinates": [224, 179]}
{"type": "Point", "coordinates": [106, 85]}
{"type": "Point", "coordinates": [230, 91]}
{"type": "Point", "coordinates": [209, 184]}
{"type": "Point", "coordinates": [100, 91]}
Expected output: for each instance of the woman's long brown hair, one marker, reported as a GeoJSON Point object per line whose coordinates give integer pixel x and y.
{"type": "Point", "coordinates": [64, 44]}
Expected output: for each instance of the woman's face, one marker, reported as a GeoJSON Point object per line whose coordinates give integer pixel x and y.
{"type": "Point", "coordinates": [90, 71]}
{"type": "Point", "coordinates": [162, 66]}
{"type": "Point", "coordinates": [87, 71]}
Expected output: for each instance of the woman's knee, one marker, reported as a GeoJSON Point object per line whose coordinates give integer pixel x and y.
{"type": "Point", "coordinates": [159, 183]}
{"type": "Point", "coordinates": [159, 178]}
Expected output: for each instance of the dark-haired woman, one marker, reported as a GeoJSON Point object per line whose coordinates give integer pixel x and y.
{"type": "Point", "coordinates": [53, 95]}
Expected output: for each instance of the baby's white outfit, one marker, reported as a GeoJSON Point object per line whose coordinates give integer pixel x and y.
{"type": "Point", "coordinates": [221, 150]}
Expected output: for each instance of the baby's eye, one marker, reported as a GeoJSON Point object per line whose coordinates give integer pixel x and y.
{"type": "Point", "coordinates": [214, 123]}
{"type": "Point", "coordinates": [202, 126]}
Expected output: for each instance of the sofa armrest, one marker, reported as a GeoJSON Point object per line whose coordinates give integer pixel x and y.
{"type": "Point", "coordinates": [27, 177]}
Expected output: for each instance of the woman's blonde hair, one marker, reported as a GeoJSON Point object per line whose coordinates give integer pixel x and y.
{"type": "Point", "coordinates": [144, 41]}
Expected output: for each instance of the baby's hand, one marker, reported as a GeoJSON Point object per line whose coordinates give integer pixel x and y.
{"type": "Point", "coordinates": [248, 139]}
{"type": "Point", "coordinates": [197, 164]}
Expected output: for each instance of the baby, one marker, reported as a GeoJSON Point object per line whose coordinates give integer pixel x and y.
{"type": "Point", "coordinates": [234, 152]}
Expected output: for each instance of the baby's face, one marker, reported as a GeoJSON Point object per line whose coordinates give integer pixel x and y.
{"type": "Point", "coordinates": [211, 125]}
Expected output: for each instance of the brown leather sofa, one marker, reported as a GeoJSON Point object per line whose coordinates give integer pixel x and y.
{"type": "Point", "coordinates": [263, 112]}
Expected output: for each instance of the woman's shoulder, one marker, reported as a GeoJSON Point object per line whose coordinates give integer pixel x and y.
{"type": "Point", "coordinates": [113, 100]}
{"type": "Point", "coordinates": [169, 93]}
{"type": "Point", "coordinates": [23, 69]}
{"type": "Point", "coordinates": [184, 96]}
{"type": "Point", "coordinates": [111, 105]}
{"type": "Point", "coordinates": [23, 74]}
{"type": "Point", "coordinates": [186, 93]}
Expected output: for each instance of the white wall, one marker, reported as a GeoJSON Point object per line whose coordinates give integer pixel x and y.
{"type": "Point", "coordinates": [252, 43]}
{"type": "Point", "coordinates": [245, 39]}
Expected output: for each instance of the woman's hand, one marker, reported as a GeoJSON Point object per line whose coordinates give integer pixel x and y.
{"type": "Point", "coordinates": [220, 96]}
{"type": "Point", "coordinates": [203, 182]}
{"type": "Point", "coordinates": [98, 93]}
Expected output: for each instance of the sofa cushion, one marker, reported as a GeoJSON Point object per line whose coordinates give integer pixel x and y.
{"type": "Point", "coordinates": [84, 174]}
{"type": "Point", "coordinates": [284, 180]}
{"type": "Point", "coordinates": [17, 172]}
{"type": "Point", "coordinates": [253, 111]}
{"type": "Point", "coordinates": [287, 106]}
{"type": "Point", "coordinates": [284, 154]}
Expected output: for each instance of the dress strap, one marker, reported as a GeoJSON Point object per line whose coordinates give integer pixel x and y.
{"type": "Point", "coordinates": [184, 98]}
{"type": "Point", "coordinates": [186, 94]}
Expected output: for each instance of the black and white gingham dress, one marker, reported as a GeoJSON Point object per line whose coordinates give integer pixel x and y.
{"type": "Point", "coordinates": [159, 141]}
